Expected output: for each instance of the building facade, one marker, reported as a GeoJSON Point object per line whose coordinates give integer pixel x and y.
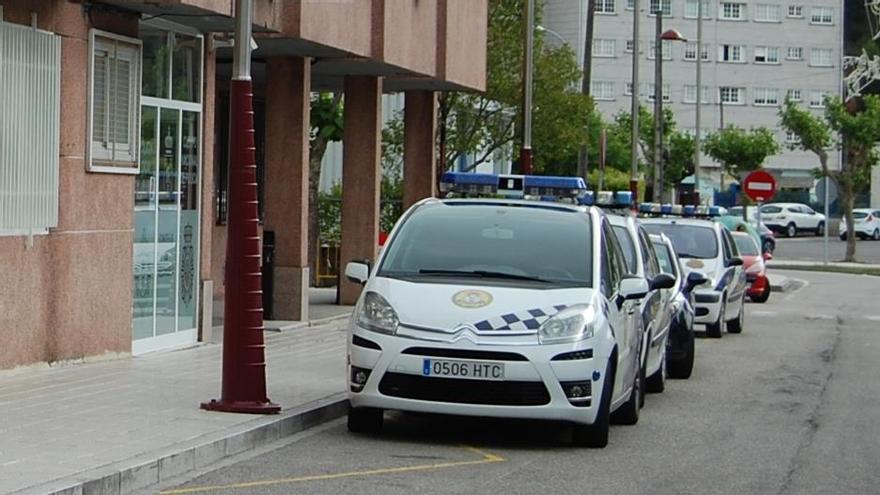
{"type": "Point", "coordinates": [755, 53]}
{"type": "Point", "coordinates": [114, 142]}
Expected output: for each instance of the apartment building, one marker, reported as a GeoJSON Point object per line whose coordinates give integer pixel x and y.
{"type": "Point", "coordinates": [754, 54]}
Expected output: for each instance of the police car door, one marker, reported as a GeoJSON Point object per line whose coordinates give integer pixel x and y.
{"type": "Point", "coordinates": [622, 315]}
{"type": "Point", "coordinates": [738, 283]}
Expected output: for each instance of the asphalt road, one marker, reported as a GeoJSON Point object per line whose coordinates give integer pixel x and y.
{"type": "Point", "coordinates": [811, 249]}
{"type": "Point", "coordinates": [790, 406]}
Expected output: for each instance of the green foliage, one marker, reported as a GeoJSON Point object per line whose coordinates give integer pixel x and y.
{"type": "Point", "coordinates": [482, 125]}
{"type": "Point", "coordinates": [738, 150]}
{"type": "Point", "coordinates": [679, 160]}
{"type": "Point", "coordinates": [330, 209]}
{"type": "Point", "coordinates": [326, 117]}
{"type": "Point", "coordinates": [813, 132]}
{"type": "Point", "coordinates": [615, 180]}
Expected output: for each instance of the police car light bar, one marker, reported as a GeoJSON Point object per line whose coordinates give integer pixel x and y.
{"type": "Point", "coordinates": [657, 209]}
{"type": "Point", "coordinates": [610, 199]}
{"type": "Point", "coordinates": [512, 186]}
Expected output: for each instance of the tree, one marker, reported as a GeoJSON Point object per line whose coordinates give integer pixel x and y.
{"type": "Point", "coordinates": [854, 127]}
{"type": "Point", "coordinates": [482, 125]}
{"type": "Point", "coordinates": [738, 150]}
{"type": "Point", "coordinates": [326, 120]}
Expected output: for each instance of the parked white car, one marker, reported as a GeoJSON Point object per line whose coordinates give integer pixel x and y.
{"type": "Point", "coordinates": [866, 224]}
{"type": "Point", "coordinates": [656, 307]}
{"type": "Point", "coordinates": [792, 218]}
{"type": "Point", "coordinates": [707, 247]}
{"type": "Point", "coordinates": [500, 308]}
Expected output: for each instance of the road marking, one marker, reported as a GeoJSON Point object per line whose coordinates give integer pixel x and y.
{"type": "Point", "coordinates": [873, 318]}
{"type": "Point", "coordinates": [763, 313]}
{"type": "Point", "coordinates": [485, 458]}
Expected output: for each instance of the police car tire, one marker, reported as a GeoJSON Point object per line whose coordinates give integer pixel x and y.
{"type": "Point", "coordinates": [628, 413]}
{"type": "Point", "coordinates": [682, 368]}
{"type": "Point", "coordinates": [365, 419]}
{"type": "Point", "coordinates": [716, 330]}
{"type": "Point", "coordinates": [656, 383]}
{"type": "Point", "coordinates": [736, 325]}
{"type": "Point", "coordinates": [595, 436]}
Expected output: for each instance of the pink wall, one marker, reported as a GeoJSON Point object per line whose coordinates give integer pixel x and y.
{"type": "Point", "coordinates": [410, 35]}
{"type": "Point", "coordinates": [69, 295]}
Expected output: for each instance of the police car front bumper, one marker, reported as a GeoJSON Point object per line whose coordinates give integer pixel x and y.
{"type": "Point", "coordinates": [707, 306]}
{"type": "Point", "coordinates": [537, 379]}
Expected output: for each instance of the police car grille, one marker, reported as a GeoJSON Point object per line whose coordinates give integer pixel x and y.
{"type": "Point", "coordinates": [462, 391]}
{"type": "Point", "coordinates": [465, 354]}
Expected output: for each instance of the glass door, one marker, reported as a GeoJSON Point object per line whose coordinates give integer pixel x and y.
{"type": "Point", "coordinates": [167, 194]}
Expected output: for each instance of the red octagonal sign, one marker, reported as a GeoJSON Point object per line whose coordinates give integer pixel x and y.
{"type": "Point", "coordinates": [760, 186]}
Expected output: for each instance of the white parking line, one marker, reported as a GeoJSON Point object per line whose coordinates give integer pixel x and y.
{"type": "Point", "coordinates": [873, 317]}
{"type": "Point", "coordinates": [763, 313]}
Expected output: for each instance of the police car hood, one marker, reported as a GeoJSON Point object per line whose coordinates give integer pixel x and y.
{"type": "Point", "coordinates": [708, 267]}
{"type": "Point", "coordinates": [483, 307]}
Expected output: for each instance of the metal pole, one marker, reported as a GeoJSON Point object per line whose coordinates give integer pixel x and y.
{"type": "Point", "coordinates": [244, 352]}
{"type": "Point", "coordinates": [825, 236]}
{"type": "Point", "coordinates": [583, 153]}
{"type": "Point", "coordinates": [634, 146]}
{"type": "Point", "coordinates": [525, 155]}
{"type": "Point", "coordinates": [658, 104]}
{"type": "Point", "coordinates": [699, 101]}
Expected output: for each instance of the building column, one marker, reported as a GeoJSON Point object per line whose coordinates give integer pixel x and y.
{"type": "Point", "coordinates": [288, 88]}
{"type": "Point", "coordinates": [419, 150]}
{"type": "Point", "coordinates": [361, 174]}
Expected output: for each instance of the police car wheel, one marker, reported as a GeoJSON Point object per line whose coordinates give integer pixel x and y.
{"type": "Point", "coordinates": [628, 413]}
{"type": "Point", "coordinates": [365, 419]}
{"type": "Point", "coordinates": [682, 368]}
{"type": "Point", "coordinates": [656, 383]}
{"type": "Point", "coordinates": [736, 325]}
{"type": "Point", "coordinates": [716, 330]}
{"type": "Point", "coordinates": [595, 436]}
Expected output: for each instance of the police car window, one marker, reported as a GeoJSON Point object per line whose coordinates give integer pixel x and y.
{"type": "Point", "coordinates": [627, 246]}
{"type": "Point", "coordinates": [492, 244]}
{"type": "Point", "coordinates": [664, 258]}
{"type": "Point", "coordinates": [611, 260]}
{"type": "Point", "coordinates": [729, 248]}
{"type": "Point", "coordinates": [652, 268]}
{"type": "Point", "coordinates": [607, 278]}
{"type": "Point", "coordinates": [690, 241]}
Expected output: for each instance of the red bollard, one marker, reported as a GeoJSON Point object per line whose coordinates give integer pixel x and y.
{"type": "Point", "coordinates": [244, 352]}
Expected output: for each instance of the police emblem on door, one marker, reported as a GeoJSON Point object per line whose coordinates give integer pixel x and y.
{"type": "Point", "coordinates": [187, 266]}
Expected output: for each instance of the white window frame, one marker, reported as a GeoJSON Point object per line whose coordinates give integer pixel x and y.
{"type": "Point", "coordinates": [741, 9]}
{"type": "Point", "coordinates": [817, 102]}
{"type": "Point", "coordinates": [604, 48]}
{"type": "Point", "coordinates": [765, 97]}
{"type": "Point", "coordinates": [794, 53]}
{"type": "Point", "coordinates": [768, 12]}
{"type": "Point", "coordinates": [629, 4]}
{"type": "Point", "coordinates": [666, 46]}
{"type": "Point", "coordinates": [791, 137]}
{"type": "Point", "coordinates": [667, 97]}
{"type": "Point", "coordinates": [665, 7]}
{"type": "Point", "coordinates": [691, 6]}
{"type": "Point", "coordinates": [602, 90]}
{"type": "Point", "coordinates": [795, 11]}
{"type": "Point", "coordinates": [690, 94]}
{"type": "Point", "coordinates": [740, 93]}
{"type": "Point", "coordinates": [605, 7]}
{"type": "Point", "coordinates": [794, 95]}
{"type": "Point", "coordinates": [627, 88]}
{"type": "Point", "coordinates": [822, 16]}
{"type": "Point", "coordinates": [770, 55]}
{"type": "Point", "coordinates": [99, 160]}
{"type": "Point", "coordinates": [821, 63]}
{"type": "Point", "coordinates": [741, 49]}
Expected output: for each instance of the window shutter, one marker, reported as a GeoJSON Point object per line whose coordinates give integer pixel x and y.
{"type": "Point", "coordinates": [99, 119]}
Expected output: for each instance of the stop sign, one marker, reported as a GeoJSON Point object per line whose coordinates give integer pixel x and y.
{"type": "Point", "coordinates": [760, 186]}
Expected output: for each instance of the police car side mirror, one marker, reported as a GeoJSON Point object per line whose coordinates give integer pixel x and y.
{"type": "Point", "coordinates": [735, 261]}
{"type": "Point", "coordinates": [633, 288]}
{"type": "Point", "coordinates": [357, 272]}
{"type": "Point", "coordinates": [694, 279]}
{"type": "Point", "coordinates": [662, 281]}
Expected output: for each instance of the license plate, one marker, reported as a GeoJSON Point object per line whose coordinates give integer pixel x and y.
{"type": "Point", "coordinates": [474, 370]}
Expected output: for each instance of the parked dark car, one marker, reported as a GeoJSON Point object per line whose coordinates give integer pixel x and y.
{"type": "Point", "coordinates": [680, 345]}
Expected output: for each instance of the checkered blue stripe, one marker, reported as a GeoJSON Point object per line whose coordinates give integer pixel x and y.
{"type": "Point", "coordinates": [529, 319]}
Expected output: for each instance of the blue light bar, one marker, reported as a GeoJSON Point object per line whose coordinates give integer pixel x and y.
{"type": "Point", "coordinates": [688, 210]}
{"type": "Point", "coordinates": [666, 209]}
{"type": "Point", "coordinates": [623, 198]}
{"type": "Point", "coordinates": [714, 211]}
{"type": "Point", "coordinates": [515, 186]}
{"type": "Point", "coordinates": [587, 198]}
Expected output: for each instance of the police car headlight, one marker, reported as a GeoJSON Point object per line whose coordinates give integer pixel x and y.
{"type": "Point", "coordinates": [569, 325]}
{"type": "Point", "coordinates": [377, 315]}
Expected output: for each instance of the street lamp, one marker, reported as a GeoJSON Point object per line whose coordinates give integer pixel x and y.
{"type": "Point", "coordinates": [547, 30]}
{"type": "Point", "coordinates": [525, 154]}
{"type": "Point", "coordinates": [661, 36]}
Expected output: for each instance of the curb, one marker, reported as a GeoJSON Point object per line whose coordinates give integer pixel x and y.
{"type": "Point", "coordinates": [149, 469]}
{"type": "Point", "coordinates": [272, 327]}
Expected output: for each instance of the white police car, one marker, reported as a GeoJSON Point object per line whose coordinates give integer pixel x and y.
{"type": "Point", "coordinates": [707, 247]}
{"type": "Point", "coordinates": [498, 307]}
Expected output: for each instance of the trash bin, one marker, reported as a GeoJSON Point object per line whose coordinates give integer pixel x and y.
{"type": "Point", "coordinates": [267, 273]}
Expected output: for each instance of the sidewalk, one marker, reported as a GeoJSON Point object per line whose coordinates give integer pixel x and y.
{"type": "Point", "coordinates": [122, 425]}
{"type": "Point", "coordinates": [819, 264]}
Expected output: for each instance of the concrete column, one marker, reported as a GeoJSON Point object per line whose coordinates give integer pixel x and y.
{"type": "Point", "coordinates": [419, 150]}
{"type": "Point", "coordinates": [361, 151]}
{"type": "Point", "coordinates": [288, 89]}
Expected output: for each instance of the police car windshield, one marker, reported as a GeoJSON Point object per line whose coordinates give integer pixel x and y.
{"type": "Point", "coordinates": [497, 245]}
{"type": "Point", "coordinates": [690, 241]}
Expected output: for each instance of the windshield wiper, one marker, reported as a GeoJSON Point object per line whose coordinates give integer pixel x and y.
{"type": "Point", "coordinates": [481, 274]}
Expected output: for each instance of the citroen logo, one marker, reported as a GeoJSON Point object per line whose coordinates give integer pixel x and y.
{"type": "Point", "coordinates": [472, 298]}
